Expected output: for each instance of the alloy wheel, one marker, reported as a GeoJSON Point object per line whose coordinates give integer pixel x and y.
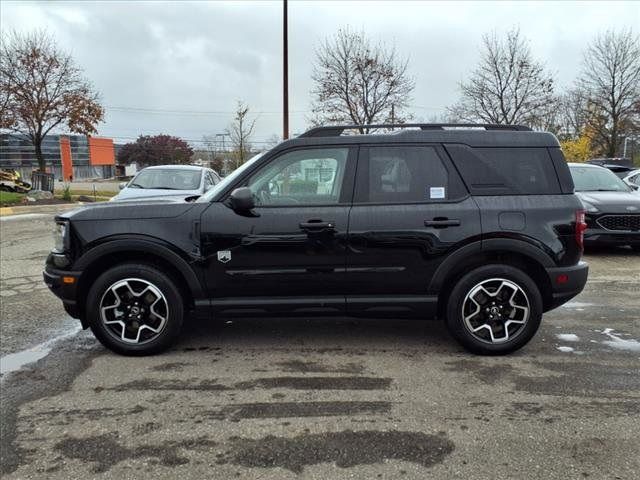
{"type": "Point", "coordinates": [496, 310]}
{"type": "Point", "coordinates": [134, 310]}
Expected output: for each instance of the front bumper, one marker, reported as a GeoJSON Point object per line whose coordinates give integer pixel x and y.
{"type": "Point", "coordinates": [62, 283]}
{"type": "Point", "coordinates": [566, 283]}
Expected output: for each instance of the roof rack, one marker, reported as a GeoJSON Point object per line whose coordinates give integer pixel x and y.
{"type": "Point", "coordinates": [337, 130]}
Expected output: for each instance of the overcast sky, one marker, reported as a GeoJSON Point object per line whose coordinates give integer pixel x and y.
{"type": "Point", "coordinates": [179, 67]}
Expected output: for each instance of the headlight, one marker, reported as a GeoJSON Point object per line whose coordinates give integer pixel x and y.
{"type": "Point", "coordinates": [589, 208]}
{"type": "Point", "coordinates": [61, 237]}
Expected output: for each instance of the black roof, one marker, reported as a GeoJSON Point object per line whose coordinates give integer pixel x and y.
{"type": "Point", "coordinates": [473, 135]}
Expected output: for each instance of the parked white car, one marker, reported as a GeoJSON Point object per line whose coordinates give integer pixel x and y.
{"type": "Point", "coordinates": [168, 181]}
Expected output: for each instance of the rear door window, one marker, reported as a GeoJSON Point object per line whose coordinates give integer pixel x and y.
{"type": "Point", "coordinates": [402, 174]}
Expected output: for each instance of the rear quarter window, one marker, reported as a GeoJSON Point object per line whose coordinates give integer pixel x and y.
{"type": "Point", "coordinates": [506, 171]}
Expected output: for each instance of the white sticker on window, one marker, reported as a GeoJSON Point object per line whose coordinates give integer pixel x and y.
{"type": "Point", "coordinates": [436, 192]}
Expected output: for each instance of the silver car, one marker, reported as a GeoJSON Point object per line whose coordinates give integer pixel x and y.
{"type": "Point", "coordinates": [633, 180]}
{"type": "Point", "coordinates": [173, 181]}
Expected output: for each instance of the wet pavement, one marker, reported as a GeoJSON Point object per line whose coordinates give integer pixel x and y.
{"type": "Point", "coordinates": [322, 398]}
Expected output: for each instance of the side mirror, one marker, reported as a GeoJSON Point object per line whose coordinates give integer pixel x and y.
{"type": "Point", "coordinates": [241, 199]}
{"type": "Point", "coordinates": [121, 185]}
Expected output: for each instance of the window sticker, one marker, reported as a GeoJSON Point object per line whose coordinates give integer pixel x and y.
{"type": "Point", "coordinates": [436, 192]}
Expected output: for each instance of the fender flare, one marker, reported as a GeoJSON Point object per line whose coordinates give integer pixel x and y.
{"type": "Point", "coordinates": [142, 245]}
{"type": "Point", "coordinates": [503, 245]}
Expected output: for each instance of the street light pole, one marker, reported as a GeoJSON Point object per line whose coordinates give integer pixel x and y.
{"type": "Point", "coordinates": [624, 151]}
{"type": "Point", "coordinates": [285, 74]}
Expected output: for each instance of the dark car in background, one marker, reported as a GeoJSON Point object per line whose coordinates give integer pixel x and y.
{"type": "Point", "coordinates": [612, 207]}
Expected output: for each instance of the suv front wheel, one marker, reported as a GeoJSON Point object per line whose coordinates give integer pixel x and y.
{"type": "Point", "coordinates": [135, 309]}
{"type": "Point", "coordinates": [494, 310]}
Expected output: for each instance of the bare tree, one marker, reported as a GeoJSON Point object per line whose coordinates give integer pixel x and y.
{"type": "Point", "coordinates": [508, 86]}
{"type": "Point", "coordinates": [610, 85]}
{"type": "Point", "coordinates": [573, 113]}
{"type": "Point", "coordinates": [240, 132]}
{"type": "Point", "coordinates": [359, 83]}
{"type": "Point", "coordinates": [42, 88]}
{"type": "Point", "coordinates": [271, 142]}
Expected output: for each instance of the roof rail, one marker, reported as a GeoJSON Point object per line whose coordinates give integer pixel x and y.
{"type": "Point", "coordinates": [337, 130]}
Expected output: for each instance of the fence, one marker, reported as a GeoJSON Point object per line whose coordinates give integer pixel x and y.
{"type": "Point", "coordinates": [42, 181]}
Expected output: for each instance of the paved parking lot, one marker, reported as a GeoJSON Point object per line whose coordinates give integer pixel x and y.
{"type": "Point", "coordinates": [323, 398]}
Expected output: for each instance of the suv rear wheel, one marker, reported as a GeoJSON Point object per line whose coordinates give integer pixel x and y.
{"type": "Point", "coordinates": [135, 309]}
{"type": "Point", "coordinates": [494, 310]}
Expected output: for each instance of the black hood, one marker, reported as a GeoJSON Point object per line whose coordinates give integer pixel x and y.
{"type": "Point", "coordinates": [612, 202]}
{"type": "Point", "coordinates": [140, 209]}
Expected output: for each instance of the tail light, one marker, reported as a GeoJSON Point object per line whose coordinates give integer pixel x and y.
{"type": "Point", "coordinates": [581, 226]}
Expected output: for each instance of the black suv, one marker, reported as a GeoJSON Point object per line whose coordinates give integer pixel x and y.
{"type": "Point", "coordinates": [474, 224]}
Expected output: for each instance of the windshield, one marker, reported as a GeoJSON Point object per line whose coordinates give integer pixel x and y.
{"type": "Point", "coordinates": [230, 178]}
{"type": "Point", "coordinates": [593, 179]}
{"type": "Point", "coordinates": [167, 179]}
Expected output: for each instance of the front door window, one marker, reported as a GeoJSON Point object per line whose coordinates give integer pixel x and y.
{"type": "Point", "coordinates": [301, 177]}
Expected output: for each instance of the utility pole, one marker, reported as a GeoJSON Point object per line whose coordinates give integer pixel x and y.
{"type": "Point", "coordinates": [285, 74]}
{"type": "Point", "coordinates": [223, 135]}
{"type": "Point", "coordinates": [393, 115]}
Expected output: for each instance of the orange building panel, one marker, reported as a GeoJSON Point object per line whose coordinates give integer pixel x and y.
{"type": "Point", "coordinates": [101, 151]}
{"type": "Point", "coordinates": [65, 157]}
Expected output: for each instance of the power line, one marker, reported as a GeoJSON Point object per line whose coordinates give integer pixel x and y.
{"type": "Point", "coordinates": [162, 111]}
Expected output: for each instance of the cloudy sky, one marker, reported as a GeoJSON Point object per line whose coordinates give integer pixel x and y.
{"type": "Point", "coordinates": [180, 67]}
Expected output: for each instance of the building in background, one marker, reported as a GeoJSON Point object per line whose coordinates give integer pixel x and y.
{"type": "Point", "coordinates": [66, 156]}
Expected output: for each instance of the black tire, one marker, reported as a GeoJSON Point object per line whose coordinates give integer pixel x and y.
{"type": "Point", "coordinates": [521, 334]}
{"type": "Point", "coordinates": [635, 248]}
{"type": "Point", "coordinates": [171, 308]}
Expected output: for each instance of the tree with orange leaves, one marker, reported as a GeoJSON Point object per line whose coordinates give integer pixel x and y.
{"type": "Point", "coordinates": [41, 88]}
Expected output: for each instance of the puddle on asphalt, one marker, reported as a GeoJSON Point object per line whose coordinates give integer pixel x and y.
{"type": "Point", "coordinates": [568, 337]}
{"type": "Point", "coordinates": [565, 349]}
{"type": "Point", "coordinates": [15, 361]}
{"type": "Point", "coordinates": [618, 343]}
{"type": "Point", "coordinates": [345, 449]}
{"type": "Point", "coordinates": [578, 305]}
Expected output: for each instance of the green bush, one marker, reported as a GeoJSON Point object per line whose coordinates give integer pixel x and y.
{"type": "Point", "coordinates": [66, 192]}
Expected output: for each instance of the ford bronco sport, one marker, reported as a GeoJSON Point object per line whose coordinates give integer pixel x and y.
{"type": "Point", "coordinates": [477, 225]}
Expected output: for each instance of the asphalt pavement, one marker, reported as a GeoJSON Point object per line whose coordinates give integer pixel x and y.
{"type": "Point", "coordinates": [318, 398]}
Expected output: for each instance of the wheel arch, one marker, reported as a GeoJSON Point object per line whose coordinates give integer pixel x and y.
{"type": "Point", "coordinates": [515, 253]}
{"type": "Point", "coordinates": [139, 250]}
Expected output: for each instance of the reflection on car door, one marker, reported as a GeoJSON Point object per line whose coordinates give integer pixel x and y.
{"type": "Point", "coordinates": [410, 209]}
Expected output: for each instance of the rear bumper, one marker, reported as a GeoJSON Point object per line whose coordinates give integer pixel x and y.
{"type": "Point", "coordinates": [566, 283]}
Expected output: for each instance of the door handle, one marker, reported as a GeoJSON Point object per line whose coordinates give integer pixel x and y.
{"type": "Point", "coordinates": [316, 225]}
{"type": "Point", "coordinates": [440, 222]}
